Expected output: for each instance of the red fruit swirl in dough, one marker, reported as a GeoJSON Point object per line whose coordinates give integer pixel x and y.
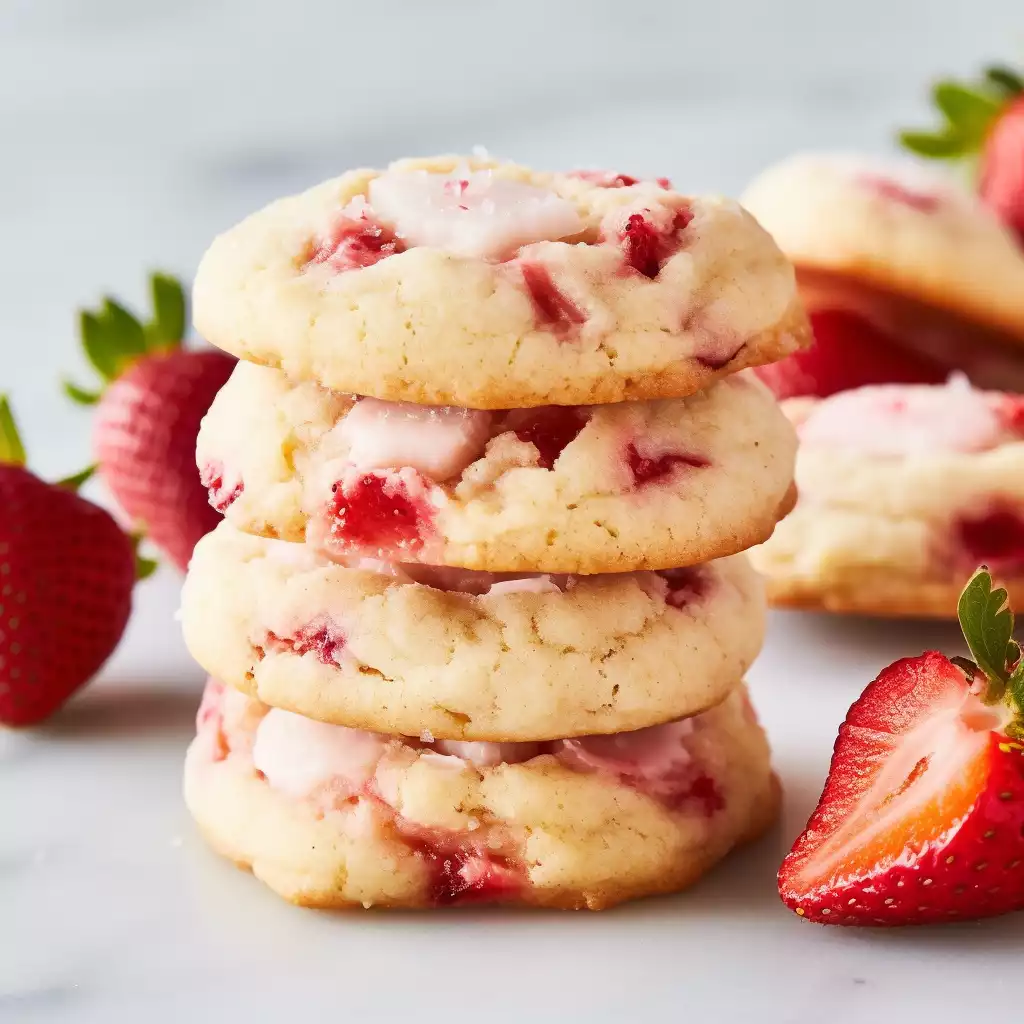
{"type": "Point", "coordinates": [462, 876]}
{"type": "Point", "coordinates": [552, 308]}
{"type": "Point", "coordinates": [321, 635]}
{"type": "Point", "coordinates": [701, 790]}
{"type": "Point", "coordinates": [890, 189]}
{"type": "Point", "coordinates": [994, 538]}
{"type": "Point", "coordinates": [550, 429]}
{"type": "Point", "coordinates": [353, 243]}
{"type": "Point", "coordinates": [646, 246]}
{"type": "Point", "coordinates": [377, 513]}
{"type": "Point", "coordinates": [645, 470]}
{"type": "Point", "coordinates": [1011, 410]}
{"type": "Point", "coordinates": [686, 585]}
{"type": "Point", "coordinates": [221, 497]}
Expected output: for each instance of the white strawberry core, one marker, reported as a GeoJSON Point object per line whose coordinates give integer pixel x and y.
{"type": "Point", "coordinates": [471, 214]}
{"type": "Point", "coordinates": [299, 755]}
{"type": "Point", "coordinates": [437, 441]}
{"type": "Point", "coordinates": [898, 420]}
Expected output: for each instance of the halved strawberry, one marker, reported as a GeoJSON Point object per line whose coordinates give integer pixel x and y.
{"type": "Point", "coordinates": [154, 396]}
{"type": "Point", "coordinates": [922, 816]}
{"type": "Point", "coordinates": [983, 122]}
{"type": "Point", "coordinates": [848, 352]}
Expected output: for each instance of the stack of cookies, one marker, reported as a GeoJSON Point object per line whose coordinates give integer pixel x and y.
{"type": "Point", "coordinates": [476, 620]}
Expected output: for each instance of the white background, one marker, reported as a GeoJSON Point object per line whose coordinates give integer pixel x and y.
{"type": "Point", "coordinates": [131, 132]}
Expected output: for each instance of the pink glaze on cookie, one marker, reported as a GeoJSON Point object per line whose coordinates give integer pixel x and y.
{"type": "Point", "coordinates": [552, 308]}
{"type": "Point", "coordinates": [471, 213]}
{"type": "Point", "coordinates": [356, 240]}
{"type": "Point", "coordinates": [609, 179]}
{"type": "Point", "coordinates": [386, 512]}
{"type": "Point", "coordinates": [900, 421]}
{"type": "Point", "coordinates": [437, 441]}
{"type": "Point", "coordinates": [222, 491]}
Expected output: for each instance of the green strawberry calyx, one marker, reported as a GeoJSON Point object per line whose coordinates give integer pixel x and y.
{"type": "Point", "coordinates": [113, 338]}
{"type": "Point", "coordinates": [968, 111]}
{"type": "Point", "coordinates": [987, 624]}
{"type": "Point", "coordinates": [12, 451]}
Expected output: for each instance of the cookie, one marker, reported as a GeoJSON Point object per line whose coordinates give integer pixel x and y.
{"type": "Point", "coordinates": [333, 817]}
{"type": "Point", "coordinates": [481, 284]}
{"type": "Point", "coordinates": [904, 492]}
{"type": "Point", "coordinates": [917, 259]}
{"type": "Point", "coordinates": [467, 655]}
{"type": "Point", "coordinates": [642, 485]}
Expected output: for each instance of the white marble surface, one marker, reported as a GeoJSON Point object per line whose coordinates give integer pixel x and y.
{"type": "Point", "coordinates": [131, 132]}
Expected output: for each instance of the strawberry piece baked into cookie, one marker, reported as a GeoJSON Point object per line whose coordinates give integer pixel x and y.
{"type": "Point", "coordinates": [332, 817]}
{"type": "Point", "coordinates": [922, 817]}
{"type": "Point", "coordinates": [476, 283]}
{"type": "Point", "coordinates": [905, 276]}
{"type": "Point", "coordinates": [552, 489]}
{"type": "Point", "coordinates": [903, 490]}
{"type": "Point", "coordinates": [478, 617]}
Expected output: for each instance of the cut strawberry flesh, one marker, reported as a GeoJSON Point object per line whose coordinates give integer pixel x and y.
{"type": "Point", "coordinates": [995, 539]}
{"type": "Point", "coordinates": [376, 513]}
{"type": "Point", "coordinates": [550, 429]}
{"type": "Point", "coordinates": [222, 495]}
{"type": "Point", "coordinates": [353, 243]}
{"type": "Point", "coordinates": [848, 352]}
{"type": "Point", "coordinates": [648, 469]}
{"type": "Point", "coordinates": [647, 245]}
{"type": "Point", "coordinates": [321, 636]}
{"type": "Point", "coordinates": [552, 308]}
{"type": "Point", "coordinates": [910, 763]}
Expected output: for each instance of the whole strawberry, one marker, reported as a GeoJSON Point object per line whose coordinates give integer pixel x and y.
{"type": "Point", "coordinates": [983, 122]}
{"type": "Point", "coordinates": [66, 577]}
{"type": "Point", "coordinates": [922, 816]}
{"type": "Point", "coordinates": [154, 396]}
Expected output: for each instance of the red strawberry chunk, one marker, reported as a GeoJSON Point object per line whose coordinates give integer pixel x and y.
{"type": "Point", "coordinates": [994, 538]}
{"type": "Point", "coordinates": [380, 513]}
{"type": "Point", "coordinates": [222, 494]}
{"type": "Point", "coordinates": [552, 308]}
{"type": "Point", "coordinates": [355, 242]}
{"type": "Point", "coordinates": [321, 636]}
{"type": "Point", "coordinates": [646, 469]}
{"type": "Point", "coordinates": [459, 875]}
{"type": "Point", "coordinates": [686, 585]}
{"type": "Point", "coordinates": [549, 429]}
{"type": "Point", "coordinates": [848, 352]}
{"type": "Point", "coordinates": [646, 245]}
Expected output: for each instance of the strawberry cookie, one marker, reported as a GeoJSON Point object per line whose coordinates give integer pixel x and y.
{"type": "Point", "coordinates": [334, 817]}
{"type": "Point", "coordinates": [905, 276]}
{"type": "Point", "coordinates": [904, 489]}
{"type": "Point", "coordinates": [553, 489]}
{"type": "Point", "coordinates": [468, 655]}
{"type": "Point", "coordinates": [481, 284]}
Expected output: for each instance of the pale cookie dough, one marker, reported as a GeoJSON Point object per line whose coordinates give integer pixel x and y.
{"type": "Point", "coordinates": [919, 258]}
{"type": "Point", "coordinates": [483, 284]}
{"type": "Point", "coordinates": [904, 492]}
{"type": "Point", "coordinates": [466, 655]}
{"type": "Point", "coordinates": [644, 485]}
{"type": "Point", "coordinates": [331, 817]}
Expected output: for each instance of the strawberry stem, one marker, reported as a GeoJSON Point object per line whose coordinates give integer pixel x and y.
{"type": "Point", "coordinates": [12, 451]}
{"type": "Point", "coordinates": [76, 480]}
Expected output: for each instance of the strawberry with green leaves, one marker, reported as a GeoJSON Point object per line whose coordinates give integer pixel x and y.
{"type": "Point", "coordinates": [983, 123]}
{"type": "Point", "coordinates": [153, 397]}
{"type": "Point", "coordinates": [922, 816]}
{"type": "Point", "coordinates": [66, 576]}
